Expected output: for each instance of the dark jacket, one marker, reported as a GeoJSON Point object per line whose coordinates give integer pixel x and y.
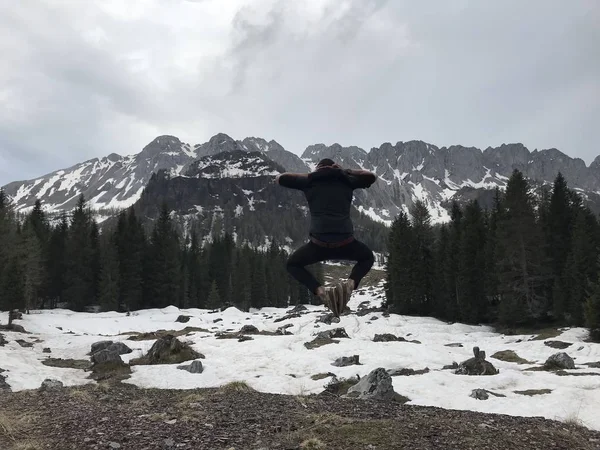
{"type": "Point", "coordinates": [329, 192]}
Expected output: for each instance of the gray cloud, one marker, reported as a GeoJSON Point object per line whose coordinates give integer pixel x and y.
{"type": "Point", "coordinates": [80, 80]}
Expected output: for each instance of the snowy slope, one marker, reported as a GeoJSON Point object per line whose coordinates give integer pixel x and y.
{"type": "Point", "coordinates": [282, 364]}
{"type": "Point", "coordinates": [111, 182]}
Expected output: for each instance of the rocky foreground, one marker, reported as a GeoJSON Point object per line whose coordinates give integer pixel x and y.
{"type": "Point", "coordinates": [121, 416]}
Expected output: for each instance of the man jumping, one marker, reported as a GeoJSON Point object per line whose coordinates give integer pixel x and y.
{"type": "Point", "coordinates": [329, 192]}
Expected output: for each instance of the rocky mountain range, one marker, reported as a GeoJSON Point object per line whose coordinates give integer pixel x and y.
{"type": "Point", "coordinates": [221, 173]}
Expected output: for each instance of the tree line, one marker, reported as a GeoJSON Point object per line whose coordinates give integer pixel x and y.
{"type": "Point", "coordinates": [527, 261]}
{"type": "Point", "coordinates": [69, 263]}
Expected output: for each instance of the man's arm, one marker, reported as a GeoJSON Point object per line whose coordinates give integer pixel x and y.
{"type": "Point", "coordinates": [292, 180]}
{"type": "Point", "coordinates": [361, 178]}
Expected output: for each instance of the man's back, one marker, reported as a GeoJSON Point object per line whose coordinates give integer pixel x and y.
{"type": "Point", "coordinates": [329, 192]}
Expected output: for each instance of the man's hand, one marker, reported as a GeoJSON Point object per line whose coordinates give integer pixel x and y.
{"type": "Point", "coordinates": [360, 172]}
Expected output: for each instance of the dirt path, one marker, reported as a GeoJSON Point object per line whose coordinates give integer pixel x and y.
{"type": "Point", "coordinates": [121, 416]}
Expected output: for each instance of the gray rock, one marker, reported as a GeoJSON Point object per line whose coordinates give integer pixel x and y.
{"type": "Point", "coordinates": [249, 329]}
{"type": "Point", "coordinates": [97, 346]}
{"type": "Point", "coordinates": [297, 309]}
{"type": "Point", "coordinates": [375, 386]}
{"type": "Point", "coordinates": [326, 318]}
{"type": "Point", "coordinates": [46, 350]}
{"type": "Point", "coordinates": [51, 385]}
{"type": "Point", "coordinates": [452, 366]}
{"type": "Point", "coordinates": [4, 386]}
{"type": "Point", "coordinates": [477, 365]}
{"type": "Point", "coordinates": [2, 341]}
{"type": "Point", "coordinates": [194, 367]}
{"type": "Point", "coordinates": [169, 442]}
{"type": "Point", "coordinates": [484, 394]}
{"type": "Point", "coordinates": [24, 344]}
{"type": "Point", "coordinates": [119, 348]}
{"type": "Point", "coordinates": [388, 337]}
{"type": "Point", "coordinates": [336, 333]}
{"type": "Point", "coordinates": [479, 394]}
{"type": "Point", "coordinates": [183, 319]}
{"type": "Point", "coordinates": [407, 372]}
{"type": "Point", "coordinates": [114, 445]}
{"type": "Point", "coordinates": [346, 361]}
{"type": "Point", "coordinates": [106, 356]}
{"type": "Point", "coordinates": [454, 344]}
{"type": "Point", "coordinates": [283, 329]}
{"type": "Point", "coordinates": [374, 318]}
{"type": "Point", "coordinates": [217, 320]}
{"type": "Point", "coordinates": [560, 345]}
{"type": "Point", "coordinates": [559, 361]}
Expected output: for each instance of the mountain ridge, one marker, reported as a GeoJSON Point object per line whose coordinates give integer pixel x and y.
{"type": "Point", "coordinates": [407, 171]}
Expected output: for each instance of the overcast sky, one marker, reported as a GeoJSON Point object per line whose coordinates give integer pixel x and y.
{"type": "Point", "coordinates": [80, 79]}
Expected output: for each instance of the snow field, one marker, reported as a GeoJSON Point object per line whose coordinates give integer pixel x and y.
{"type": "Point", "coordinates": [282, 364]}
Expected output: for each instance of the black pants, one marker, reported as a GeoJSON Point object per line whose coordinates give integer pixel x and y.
{"type": "Point", "coordinates": [312, 253]}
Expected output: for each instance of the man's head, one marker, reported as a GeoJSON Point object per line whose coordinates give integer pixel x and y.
{"type": "Point", "coordinates": [326, 162]}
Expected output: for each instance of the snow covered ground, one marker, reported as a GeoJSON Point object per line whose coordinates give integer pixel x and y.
{"type": "Point", "coordinates": [282, 364]}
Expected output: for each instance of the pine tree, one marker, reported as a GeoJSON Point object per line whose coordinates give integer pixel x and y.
{"type": "Point", "coordinates": [471, 273]}
{"type": "Point", "coordinates": [79, 276]}
{"type": "Point", "coordinates": [130, 239]}
{"type": "Point", "coordinates": [214, 299]}
{"type": "Point", "coordinates": [580, 269]}
{"type": "Point", "coordinates": [440, 288]}
{"type": "Point", "coordinates": [258, 292]}
{"type": "Point", "coordinates": [163, 275]}
{"type": "Point", "coordinates": [108, 283]}
{"type": "Point", "coordinates": [32, 267]}
{"type": "Point", "coordinates": [452, 263]}
{"type": "Point", "coordinates": [399, 284]}
{"type": "Point", "coordinates": [422, 267]}
{"type": "Point", "coordinates": [56, 262]}
{"type": "Point", "coordinates": [559, 223]}
{"type": "Point", "coordinates": [520, 265]}
{"type": "Point", "coordinates": [592, 311]}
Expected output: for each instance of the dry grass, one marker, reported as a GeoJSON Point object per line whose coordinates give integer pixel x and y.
{"type": "Point", "coordinates": [81, 394]}
{"type": "Point", "coordinates": [313, 444]}
{"type": "Point", "coordinates": [235, 386]}
{"type": "Point", "coordinates": [15, 428]}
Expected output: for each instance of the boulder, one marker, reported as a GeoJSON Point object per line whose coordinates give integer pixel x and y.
{"type": "Point", "coordinates": [297, 309]}
{"type": "Point", "coordinates": [477, 365]}
{"type": "Point", "coordinates": [388, 337]}
{"type": "Point", "coordinates": [288, 316]}
{"type": "Point", "coordinates": [335, 333]}
{"type": "Point", "coordinates": [327, 319]}
{"type": "Point", "coordinates": [484, 394]}
{"type": "Point", "coordinates": [24, 344]}
{"type": "Point", "coordinates": [559, 361]}
{"type": "Point", "coordinates": [106, 356]}
{"type": "Point", "coordinates": [51, 385]}
{"type": "Point", "coordinates": [194, 367]}
{"type": "Point", "coordinates": [2, 341]}
{"type": "Point", "coordinates": [407, 372]}
{"type": "Point", "coordinates": [119, 348]}
{"type": "Point", "coordinates": [245, 338]}
{"type": "Point", "coordinates": [4, 386]}
{"type": "Point", "coordinates": [101, 345]}
{"type": "Point", "coordinates": [168, 350]}
{"type": "Point", "coordinates": [183, 319]}
{"type": "Point", "coordinates": [46, 350]}
{"type": "Point", "coordinates": [217, 320]}
{"type": "Point", "coordinates": [375, 386]}
{"type": "Point", "coordinates": [283, 329]}
{"type": "Point", "coordinates": [479, 394]}
{"type": "Point", "coordinates": [452, 366]}
{"type": "Point", "coordinates": [454, 345]}
{"type": "Point", "coordinates": [346, 361]}
{"type": "Point", "coordinates": [560, 345]}
{"type": "Point", "coordinates": [249, 329]}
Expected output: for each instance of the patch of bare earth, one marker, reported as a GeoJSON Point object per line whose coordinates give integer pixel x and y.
{"type": "Point", "coordinates": [123, 416]}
